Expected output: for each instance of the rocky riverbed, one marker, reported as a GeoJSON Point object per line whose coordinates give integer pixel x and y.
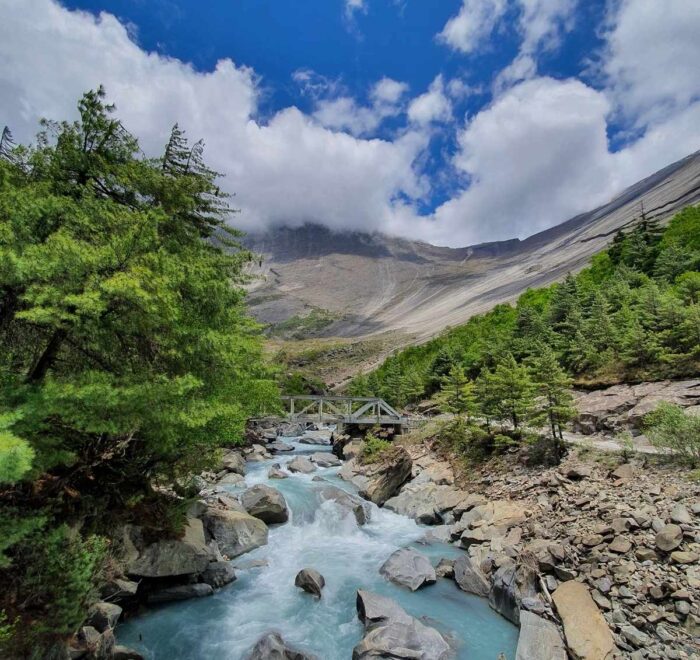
{"type": "Point", "coordinates": [412, 557]}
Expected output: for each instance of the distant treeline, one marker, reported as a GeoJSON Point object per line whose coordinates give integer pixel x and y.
{"type": "Point", "coordinates": [633, 314]}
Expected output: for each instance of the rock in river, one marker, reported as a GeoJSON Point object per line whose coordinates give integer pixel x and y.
{"type": "Point", "coordinates": [360, 509]}
{"type": "Point", "coordinates": [392, 633]}
{"type": "Point", "coordinates": [512, 584]}
{"type": "Point", "coordinates": [301, 464]}
{"type": "Point", "coordinates": [219, 574]}
{"type": "Point", "coordinates": [469, 578]}
{"type": "Point", "coordinates": [180, 592]}
{"type": "Point", "coordinates": [310, 581]}
{"type": "Point", "coordinates": [265, 503]}
{"type": "Point", "coordinates": [409, 569]}
{"type": "Point", "coordinates": [235, 532]}
{"type": "Point", "coordinates": [325, 459]}
{"type": "Point", "coordinates": [273, 647]}
{"type": "Point", "coordinates": [380, 480]}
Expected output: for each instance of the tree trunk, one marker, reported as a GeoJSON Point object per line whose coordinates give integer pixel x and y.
{"type": "Point", "coordinates": [45, 362]}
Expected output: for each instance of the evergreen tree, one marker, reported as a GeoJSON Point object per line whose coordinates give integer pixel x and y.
{"type": "Point", "coordinates": [555, 404]}
{"type": "Point", "coordinates": [509, 393]}
{"type": "Point", "coordinates": [457, 395]}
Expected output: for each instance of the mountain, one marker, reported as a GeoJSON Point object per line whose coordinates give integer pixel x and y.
{"type": "Point", "coordinates": [312, 281]}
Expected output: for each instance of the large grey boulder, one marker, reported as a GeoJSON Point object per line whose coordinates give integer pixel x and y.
{"type": "Point", "coordinates": [265, 503]}
{"type": "Point", "coordinates": [539, 639]}
{"type": "Point", "coordinates": [233, 461]}
{"type": "Point", "coordinates": [180, 592]}
{"type": "Point", "coordinates": [168, 558]}
{"type": "Point", "coordinates": [425, 502]}
{"type": "Point", "coordinates": [272, 647]}
{"type": "Point", "coordinates": [320, 437]}
{"type": "Point", "coordinates": [469, 578]}
{"type": "Point", "coordinates": [512, 584]}
{"type": "Point", "coordinates": [392, 633]}
{"type": "Point", "coordinates": [279, 446]}
{"type": "Point", "coordinates": [103, 616]}
{"type": "Point", "coordinates": [125, 653]}
{"type": "Point", "coordinates": [310, 581]}
{"type": "Point", "coordinates": [325, 459]}
{"type": "Point", "coordinates": [235, 532]}
{"type": "Point", "coordinates": [218, 574]}
{"type": "Point", "coordinates": [409, 569]}
{"type": "Point", "coordinates": [381, 480]}
{"type": "Point", "coordinates": [360, 509]}
{"type": "Point", "coordinates": [301, 464]}
{"type": "Point", "coordinates": [669, 538]}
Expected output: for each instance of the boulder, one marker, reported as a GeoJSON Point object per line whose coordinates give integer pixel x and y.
{"type": "Point", "coordinates": [279, 446]}
{"type": "Point", "coordinates": [218, 574]}
{"type": "Point", "coordinates": [172, 557]}
{"type": "Point", "coordinates": [669, 538]}
{"type": "Point", "coordinates": [352, 449]}
{"type": "Point", "coordinates": [325, 459]}
{"type": "Point", "coordinates": [180, 592]}
{"type": "Point", "coordinates": [310, 581]}
{"type": "Point", "coordinates": [360, 509]}
{"type": "Point", "coordinates": [469, 578]}
{"type": "Point", "coordinates": [272, 647]}
{"type": "Point", "coordinates": [233, 462]}
{"type": "Point", "coordinates": [125, 653]}
{"type": "Point", "coordinates": [235, 532]}
{"type": "Point", "coordinates": [103, 616]}
{"type": "Point", "coordinates": [680, 515]}
{"type": "Point", "coordinates": [231, 479]}
{"type": "Point", "coordinates": [426, 502]}
{"type": "Point", "coordinates": [539, 639]}
{"type": "Point", "coordinates": [392, 633]}
{"type": "Point", "coordinates": [301, 464]}
{"type": "Point", "coordinates": [276, 473]}
{"type": "Point", "coordinates": [90, 643]}
{"type": "Point", "coordinates": [587, 634]}
{"type": "Point", "coordinates": [119, 590]}
{"type": "Point", "coordinates": [511, 585]}
{"type": "Point", "coordinates": [290, 430]}
{"type": "Point", "coordinates": [386, 476]}
{"type": "Point", "coordinates": [320, 437]}
{"type": "Point", "coordinates": [409, 569]}
{"type": "Point", "coordinates": [265, 503]}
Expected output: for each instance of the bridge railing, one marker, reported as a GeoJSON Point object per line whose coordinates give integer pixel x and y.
{"type": "Point", "coordinates": [346, 409]}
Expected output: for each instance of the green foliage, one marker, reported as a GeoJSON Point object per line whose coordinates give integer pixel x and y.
{"type": "Point", "coordinates": [297, 383]}
{"type": "Point", "coordinates": [457, 395]}
{"type": "Point", "coordinates": [507, 392]}
{"type": "Point", "coordinates": [373, 448]}
{"type": "Point", "coordinates": [127, 357]}
{"type": "Point", "coordinates": [300, 327]}
{"type": "Point", "coordinates": [670, 428]}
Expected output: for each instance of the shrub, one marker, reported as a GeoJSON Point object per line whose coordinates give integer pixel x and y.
{"type": "Point", "coordinates": [374, 448]}
{"type": "Point", "coordinates": [670, 428]}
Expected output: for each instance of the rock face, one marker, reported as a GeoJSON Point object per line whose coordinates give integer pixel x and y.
{"type": "Point", "coordinates": [265, 503]}
{"type": "Point", "coordinates": [360, 509]}
{"type": "Point", "coordinates": [392, 633]}
{"type": "Point", "coordinates": [587, 634]}
{"type": "Point", "coordinates": [169, 558]}
{"type": "Point", "coordinates": [539, 639]}
{"type": "Point", "coordinates": [409, 569]}
{"type": "Point", "coordinates": [180, 592]}
{"type": "Point", "coordinates": [218, 574]}
{"type": "Point", "coordinates": [301, 464]}
{"type": "Point", "coordinates": [512, 584]}
{"type": "Point", "coordinates": [310, 581]}
{"type": "Point", "coordinates": [273, 647]}
{"type": "Point", "coordinates": [623, 406]}
{"type": "Point", "coordinates": [381, 480]}
{"type": "Point", "coordinates": [469, 578]}
{"type": "Point", "coordinates": [235, 532]}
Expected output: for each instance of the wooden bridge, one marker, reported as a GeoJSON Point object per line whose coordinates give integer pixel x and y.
{"type": "Point", "coordinates": [342, 410]}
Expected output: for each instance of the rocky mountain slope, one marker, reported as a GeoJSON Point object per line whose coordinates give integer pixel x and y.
{"type": "Point", "coordinates": [354, 284]}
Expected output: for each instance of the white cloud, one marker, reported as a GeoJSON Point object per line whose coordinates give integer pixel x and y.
{"type": "Point", "coordinates": [288, 170]}
{"type": "Point", "coordinates": [353, 6]}
{"type": "Point", "coordinates": [473, 24]}
{"type": "Point", "coordinates": [433, 106]}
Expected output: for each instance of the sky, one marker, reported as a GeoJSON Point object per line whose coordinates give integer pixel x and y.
{"type": "Point", "coordinates": [450, 121]}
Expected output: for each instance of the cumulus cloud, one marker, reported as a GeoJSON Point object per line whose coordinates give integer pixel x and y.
{"type": "Point", "coordinates": [433, 106]}
{"type": "Point", "coordinates": [473, 24]}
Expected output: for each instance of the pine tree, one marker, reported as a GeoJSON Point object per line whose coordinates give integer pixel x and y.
{"type": "Point", "coordinates": [509, 392]}
{"type": "Point", "coordinates": [457, 395]}
{"type": "Point", "coordinates": [555, 404]}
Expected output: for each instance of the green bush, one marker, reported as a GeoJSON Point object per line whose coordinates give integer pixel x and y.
{"type": "Point", "coordinates": [670, 428]}
{"type": "Point", "coordinates": [373, 448]}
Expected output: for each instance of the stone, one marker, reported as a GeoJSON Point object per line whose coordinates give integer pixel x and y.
{"type": "Point", "coordinates": [445, 568]}
{"type": "Point", "coordinates": [218, 574]}
{"type": "Point", "coordinates": [301, 464]}
{"type": "Point", "coordinates": [325, 459]}
{"type": "Point", "coordinates": [539, 639]}
{"type": "Point", "coordinates": [360, 509]}
{"type": "Point", "coordinates": [310, 581]}
{"type": "Point", "coordinates": [103, 616]}
{"type": "Point", "coordinates": [669, 538]}
{"type": "Point", "coordinates": [93, 644]}
{"type": "Point", "coordinates": [119, 590]}
{"type": "Point", "coordinates": [469, 578]}
{"type": "Point", "coordinates": [231, 479]}
{"type": "Point", "coordinates": [265, 503]}
{"type": "Point", "coordinates": [235, 532]}
{"type": "Point", "coordinates": [680, 557]}
{"type": "Point", "coordinates": [352, 449]}
{"type": "Point", "coordinates": [392, 633]}
{"type": "Point", "coordinates": [625, 472]}
{"type": "Point", "coordinates": [125, 653]}
{"type": "Point", "coordinates": [272, 647]}
{"type": "Point", "coordinates": [318, 437]}
{"type": "Point", "coordinates": [409, 569]}
{"type": "Point", "coordinates": [511, 585]}
{"type": "Point", "coordinates": [620, 545]}
{"type": "Point", "coordinates": [279, 446]}
{"type": "Point", "coordinates": [681, 515]}
{"type": "Point", "coordinates": [276, 473]}
{"type": "Point", "coordinates": [635, 636]}
{"type": "Point", "coordinates": [578, 472]}
{"type": "Point", "coordinates": [587, 634]}
{"type": "Point", "coordinates": [233, 462]}
{"type": "Point", "coordinates": [173, 557]}
{"type": "Point", "coordinates": [386, 476]}
{"type": "Point", "coordinates": [180, 592]}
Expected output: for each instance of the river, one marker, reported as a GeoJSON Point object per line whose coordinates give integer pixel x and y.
{"type": "Point", "coordinates": [318, 535]}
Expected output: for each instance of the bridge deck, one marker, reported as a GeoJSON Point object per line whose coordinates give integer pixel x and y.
{"type": "Point", "coordinates": [342, 409]}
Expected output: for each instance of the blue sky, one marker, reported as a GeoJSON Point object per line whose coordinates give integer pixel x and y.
{"type": "Point", "coordinates": [455, 121]}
